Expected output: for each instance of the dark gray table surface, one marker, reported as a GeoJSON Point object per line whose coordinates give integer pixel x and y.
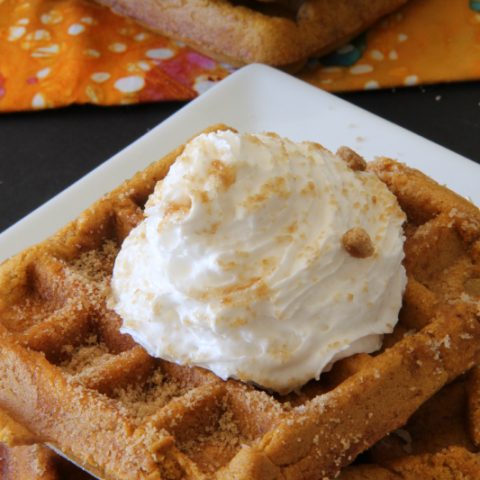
{"type": "Point", "coordinates": [41, 153]}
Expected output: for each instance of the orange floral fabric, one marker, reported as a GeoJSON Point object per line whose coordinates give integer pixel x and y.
{"type": "Point", "coordinates": [58, 52]}
{"type": "Point", "coordinates": [427, 41]}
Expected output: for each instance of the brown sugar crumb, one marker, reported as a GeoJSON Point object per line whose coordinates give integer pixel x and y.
{"type": "Point", "coordinates": [217, 444]}
{"type": "Point", "coordinates": [275, 187]}
{"type": "Point", "coordinates": [178, 209]}
{"type": "Point", "coordinates": [225, 433]}
{"type": "Point", "coordinates": [352, 159]}
{"type": "Point", "coordinates": [84, 357]}
{"type": "Point", "coordinates": [204, 196]}
{"type": "Point", "coordinates": [357, 243]}
{"type": "Point", "coordinates": [95, 266]}
{"type": "Point", "coordinates": [309, 188]}
{"type": "Point", "coordinates": [226, 174]}
{"type": "Point", "coordinates": [144, 399]}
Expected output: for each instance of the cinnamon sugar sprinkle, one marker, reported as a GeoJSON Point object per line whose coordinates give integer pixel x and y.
{"type": "Point", "coordinates": [142, 400]}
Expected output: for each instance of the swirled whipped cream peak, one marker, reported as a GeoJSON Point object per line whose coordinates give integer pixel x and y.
{"type": "Point", "coordinates": [262, 259]}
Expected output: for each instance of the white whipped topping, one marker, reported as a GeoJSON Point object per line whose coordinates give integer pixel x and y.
{"type": "Point", "coordinates": [239, 267]}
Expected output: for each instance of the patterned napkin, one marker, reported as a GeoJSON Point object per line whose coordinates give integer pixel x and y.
{"type": "Point", "coordinates": [427, 41]}
{"type": "Point", "coordinates": [58, 52]}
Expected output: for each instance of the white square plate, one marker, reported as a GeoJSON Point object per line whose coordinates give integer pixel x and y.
{"type": "Point", "coordinates": [255, 98]}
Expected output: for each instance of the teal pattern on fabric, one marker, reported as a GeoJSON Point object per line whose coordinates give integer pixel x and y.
{"type": "Point", "coordinates": [475, 5]}
{"type": "Point", "coordinates": [348, 54]}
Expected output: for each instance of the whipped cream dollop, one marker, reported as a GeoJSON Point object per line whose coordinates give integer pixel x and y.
{"type": "Point", "coordinates": [239, 264]}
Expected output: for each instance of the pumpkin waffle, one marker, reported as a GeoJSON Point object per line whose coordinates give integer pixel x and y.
{"type": "Point", "coordinates": [283, 33]}
{"type": "Point", "coordinates": [75, 382]}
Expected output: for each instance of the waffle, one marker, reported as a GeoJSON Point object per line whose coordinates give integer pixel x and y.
{"type": "Point", "coordinates": [283, 33]}
{"type": "Point", "coordinates": [70, 378]}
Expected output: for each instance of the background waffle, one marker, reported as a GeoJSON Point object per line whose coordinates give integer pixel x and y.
{"type": "Point", "coordinates": [70, 377]}
{"type": "Point", "coordinates": [280, 32]}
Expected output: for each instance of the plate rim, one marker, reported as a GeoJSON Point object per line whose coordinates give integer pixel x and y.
{"type": "Point", "coordinates": [247, 82]}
